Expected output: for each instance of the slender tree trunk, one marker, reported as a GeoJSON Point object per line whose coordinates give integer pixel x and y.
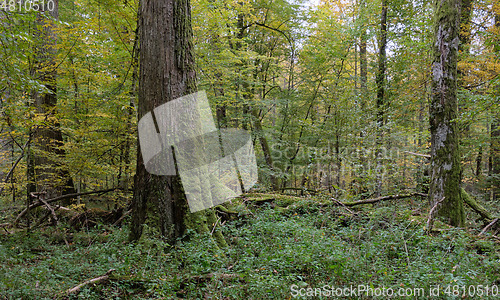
{"type": "Point", "coordinates": [247, 91]}
{"type": "Point", "coordinates": [360, 174]}
{"type": "Point", "coordinates": [265, 148]}
{"type": "Point", "coordinates": [495, 157]}
{"type": "Point", "coordinates": [381, 101]}
{"type": "Point", "coordinates": [363, 61]}
{"type": "Point", "coordinates": [445, 157]}
{"type": "Point", "coordinates": [465, 25]}
{"type": "Point", "coordinates": [464, 49]}
{"type": "Point", "coordinates": [495, 125]}
{"type": "Point", "coordinates": [50, 175]}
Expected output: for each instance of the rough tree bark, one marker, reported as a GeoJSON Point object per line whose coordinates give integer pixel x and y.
{"type": "Point", "coordinates": [445, 158]}
{"type": "Point", "coordinates": [166, 72]}
{"type": "Point", "coordinates": [49, 174]}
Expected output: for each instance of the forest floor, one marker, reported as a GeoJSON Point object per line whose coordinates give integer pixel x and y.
{"type": "Point", "coordinates": [306, 248]}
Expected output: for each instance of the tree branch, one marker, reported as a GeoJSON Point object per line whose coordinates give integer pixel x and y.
{"type": "Point", "coordinates": [68, 196]}
{"type": "Point", "coordinates": [99, 279]}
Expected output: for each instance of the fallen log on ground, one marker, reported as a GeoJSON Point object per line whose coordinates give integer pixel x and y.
{"type": "Point", "coordinates": [314, 192]}
{"type": "Point", "coordinates": [383, 198]}
{"type": "Point", "coordinates": [476, 206]}
{"type": "Point", "coordinates": [63, 197]}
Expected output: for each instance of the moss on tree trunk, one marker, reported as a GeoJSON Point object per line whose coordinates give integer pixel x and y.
{"type": "Point", "coordinates": [445, 157]}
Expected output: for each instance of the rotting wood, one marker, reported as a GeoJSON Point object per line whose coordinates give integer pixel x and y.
{"type": "Point", "coordinates": [469, 200]}
{"type": "Point", "coordinates": [68, 196]}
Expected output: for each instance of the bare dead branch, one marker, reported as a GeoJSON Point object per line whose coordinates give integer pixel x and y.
{"type": "Point", "coordinates": [430, 220]}
{"type": "Point", "coordinates": [68, 196]}
{"type": "Point", "coordinates": [96, 280]}
{"type": "Point", "coordinates": [40, 198]}
{"type": "Point", "coordinates": [342, 204]}
{"type": "Point", "coordinates": [122, 217]}
{"type": "Point", "coordinates": [5, 226]}
{"type": "Point", "coordinates": [488, 227]}
{"type": "Point", "coordinates": [11, 171]}
{"type": "Point", "coordinates": [418, 154]}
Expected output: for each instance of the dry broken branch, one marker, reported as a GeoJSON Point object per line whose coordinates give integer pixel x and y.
{"type": "Point", "coordinates": [122, 217]}
{"type": "Point", "coordinates": [40, 198]}
{"type": "Point", "coordinates": [5, 226]}
{"type": "Point", "coordinates": [68, 196]}
{"type": "Point", "coordinates": [96, 280]}
{"type": "Point", "coordinates": [430, 220]}
{"type": "Point", "coordinates": [342, 204]}
{"type": "Point", "coordinates": [11, 171]}
{"type": "Point", "coordinates": [418, 154]}
{"type": "Point", "coordinates": [488, 226]}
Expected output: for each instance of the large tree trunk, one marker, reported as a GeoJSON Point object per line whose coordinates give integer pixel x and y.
{"type": "Point", "coordinates": [50, 175]}
{"type": "Point", "coordinates": [167, 72]}
{"type": "Point", "coordinates": [445, 158]}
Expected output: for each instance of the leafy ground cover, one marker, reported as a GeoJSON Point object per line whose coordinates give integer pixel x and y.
{"type": "Point", "coordinates": [272, 254]}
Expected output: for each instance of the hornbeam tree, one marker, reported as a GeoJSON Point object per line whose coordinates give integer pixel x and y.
{"type": "Point", "coordinates": [445, 159]}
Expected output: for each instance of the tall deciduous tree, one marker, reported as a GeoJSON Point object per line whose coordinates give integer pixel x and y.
{"type": "Point", "coordinates": [167, 72]}
{"type": "Point", "coordinates": [495, 125]}
{"type": "Point", "coordinates": [49, 174]}
{"type": "Point", "coordinates": [445, 158]}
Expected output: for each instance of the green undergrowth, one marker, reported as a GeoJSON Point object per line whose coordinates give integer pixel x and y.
{"type": "Point", "coordinates": [309, 245]}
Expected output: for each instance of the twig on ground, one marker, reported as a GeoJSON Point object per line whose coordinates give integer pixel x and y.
{"type": "Point", "coordinates": [488, 227]}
